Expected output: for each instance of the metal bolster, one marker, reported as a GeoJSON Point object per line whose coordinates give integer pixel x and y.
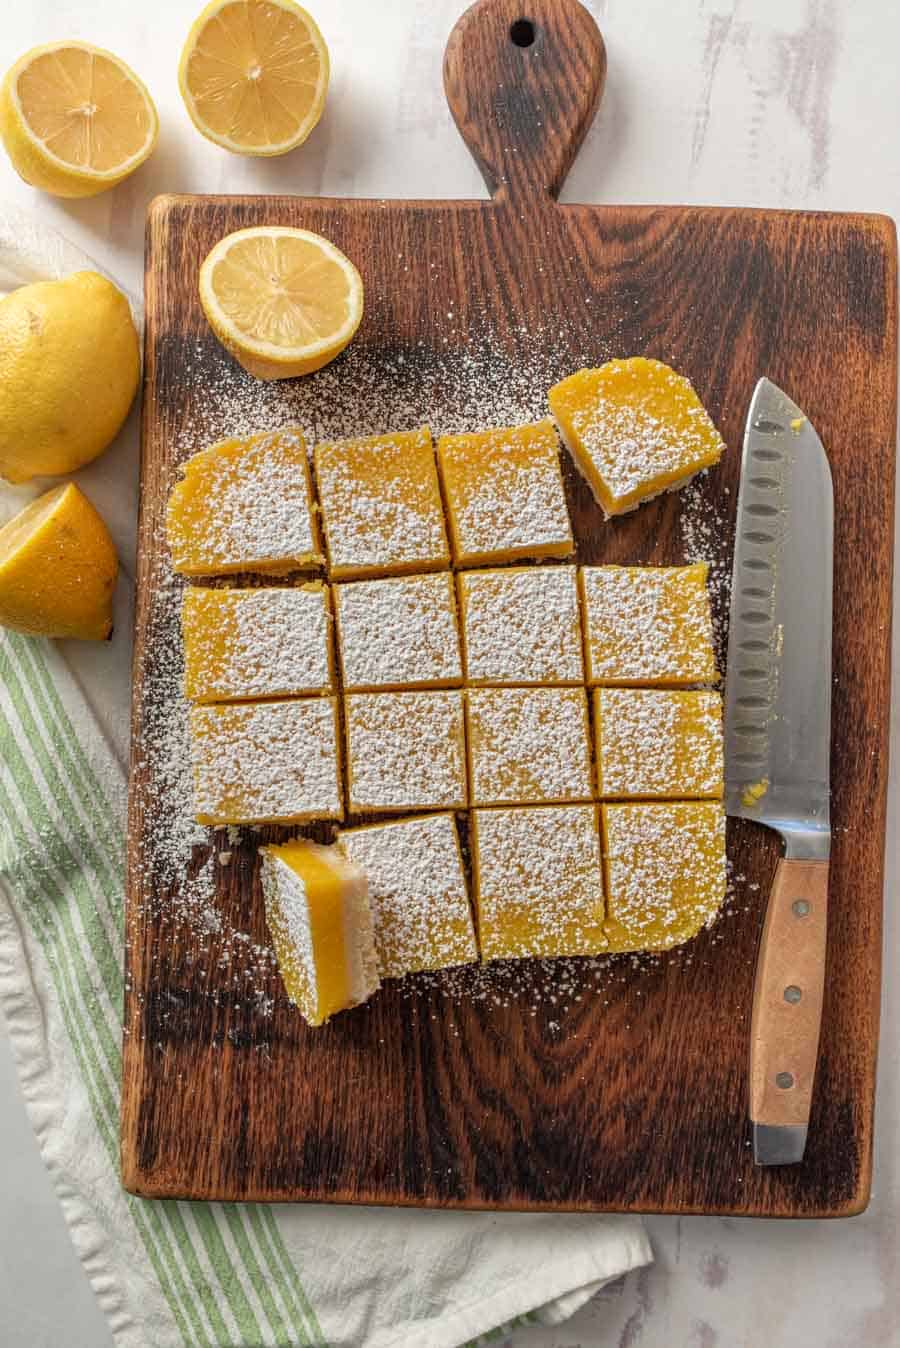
{"type": "Point", "coordinates": [806, 841]}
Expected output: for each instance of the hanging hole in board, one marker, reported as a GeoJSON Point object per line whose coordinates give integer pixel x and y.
{"type": "Point", "coordinates": [521, 32]}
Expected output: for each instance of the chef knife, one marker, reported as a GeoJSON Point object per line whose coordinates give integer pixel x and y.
{"type": "Point", "coordinates": [777, 741]}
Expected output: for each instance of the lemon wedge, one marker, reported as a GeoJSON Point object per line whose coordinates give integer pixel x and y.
{"type": "Point", "coordinates": [283, 301]}
{"type": "Point", "coordinates": [58, 568]}
{"type": "Point", "coordinates": [74, 119]}
{"type": "Point", "coordinates": [253, 75]}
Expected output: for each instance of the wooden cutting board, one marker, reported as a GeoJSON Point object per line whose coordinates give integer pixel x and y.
{"type": "Point", "coordinates": [619, 1085]}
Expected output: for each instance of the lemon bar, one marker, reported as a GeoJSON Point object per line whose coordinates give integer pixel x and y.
{"type": "Point", "coordinates": [647, 625]}
{"type": "Point", "coordinates": [417, 893]}
{"type": "Point", "coordinates": [635, 428]}
{"type": "Point", "coordinates": [246, 644]}
{"type": "Point", "coordinates": [665, 871]}
{"type": "Point", "coordinates": [405, 751]}
{"type": "Point", "coordinates": [381, 505]}
{"type": "Point", "coordinates": [538, 882]}
{"type": "Point", "coordinates": [398, 633]}
{"type": "Point", "coordinates": [520, 625]}
{"type": "Point", "coordinates": [319, 918]}
{"type": "Point", "coordinates": [658, 742]}
{"type": "Point", "coordinates": [505, 496]}
{"type": "Point", "coordinates": [266, 762]}
{"type": "Point", "coordinates": [528, 745]}
{"type": "Point", "coordinates": [245, 505]}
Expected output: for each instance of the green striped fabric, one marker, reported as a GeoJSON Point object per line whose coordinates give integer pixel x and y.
{"type": "Point", "coordinates": [212, 1275]}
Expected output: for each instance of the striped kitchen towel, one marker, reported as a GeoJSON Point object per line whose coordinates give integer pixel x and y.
{"type": "Point", "coordinates": [170, 1273]}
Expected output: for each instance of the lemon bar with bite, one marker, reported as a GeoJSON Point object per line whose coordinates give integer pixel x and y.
{"type": "Point", "coordinates": [319, 918]}
{"type": "Point", "coordinates": [400, 632]}
{"type": "Point", "coordinates": [266, 762]}
{"type": "Point", "coordinates": [665, 871]}
{"type": "Point", "coordinates": [405, 751]}
{"type": "Point", "coordinates": [245, 505]}
{"type": "Point", "coordinates": [417, 893]}
{"type": "Point", "coordinates": [521, 625]}
{"type": "Point", "coordinates": [246, 644]}
{"type": "Point", "coordinates": [381, 505]}
{"type": "Point", "coordinates": [528, 745]}
{"type": "Point", "coordinates": [658, 742]}
{"type": "Point", "coordinates": [538, 881]}
{"type": "Point", "coordinates": [635, 428]}
{"type": "Point", "coordinates": [647, 625]}
{"type": "Point", "coordinates": [505, 495]}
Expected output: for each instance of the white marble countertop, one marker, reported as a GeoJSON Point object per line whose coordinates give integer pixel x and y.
{"type": "Point", "coordinates": [791, 103]}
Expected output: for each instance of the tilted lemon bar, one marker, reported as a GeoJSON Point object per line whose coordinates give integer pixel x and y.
{"type": "Point", "coordinates": [405, 751]}
{"type": "Point", "coordinates": [635, 428]}
{"type": "Point", "coordinates": [658, 742]}
{"type": "Point", "coordinates": [319, 918]}
{"type": "Point", "coordinates": [665, 871]}
{"type": "Point", "coordinates": [647, 625]}
{"type": "Point", "coordinates": [538, 881]}
{"type": "Point", "coordinates": [266, 762]}
{"type": "Point", "coordinates": [245, 505]}
{"type": "Point", "coordinates": [521, 624]}
{"type": "Point", "coordinates": [267, 642]}
{"type": "Point", "coordinates": [505, 495]}
{"type": "Point", "coordinates": [381, 505]}
{"type": "Point", "coordinates": [528, 745]}
{"type": "Point", "coordinates": [417, 893]}
{"type": "Point", "coordinates": [398, 633]}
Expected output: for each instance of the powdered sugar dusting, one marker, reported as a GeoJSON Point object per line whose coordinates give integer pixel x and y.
{"type": "Point", "coordinates": [528, 744]}
{"type": "Point", "coordinates": [399, 632]}
{"type": "Point", "coordinates": [659, 742]}
{"type": "Point", "coordinates": [256, 643]}
{"type": "Point", "coordinates": [417, 892]}
{"type": "Point", "coordinates": [405, 750]}
{"type": "Point", "coordinates": [647, 624]}
{"type": "Point", "coordinates": [287, 913]}
{"type": "Point", "coordinates": [522, 625]}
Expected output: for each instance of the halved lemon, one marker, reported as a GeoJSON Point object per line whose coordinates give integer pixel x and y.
{"type": "Point", "coordinates": [58, 568]}
{"type": "Point", "coordinates": [283, 301]}
{"type": "Point", "coordinates": [74, 119]}
{"type": "Point", "coordinates": [253, 75]}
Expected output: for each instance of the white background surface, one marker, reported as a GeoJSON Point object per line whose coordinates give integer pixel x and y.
{"type": "Point", "coordinates": [766, 102]}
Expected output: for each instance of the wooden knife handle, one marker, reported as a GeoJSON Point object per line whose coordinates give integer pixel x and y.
{"type": "Point", "coordinates": [787, 997]}
{"type": "Point", "coordinates": [523, 79]}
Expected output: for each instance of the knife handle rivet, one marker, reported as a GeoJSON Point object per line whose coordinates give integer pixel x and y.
{"type": "Point", "coordinates": [784, 1081]}
{"type": "Point", "coordinates": [800, 908]}
{"type": "Point", "coordinates": [792, 993]}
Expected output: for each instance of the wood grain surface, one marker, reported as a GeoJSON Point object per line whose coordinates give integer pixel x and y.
{"type": "Point", "coordinates": [631, 1093]}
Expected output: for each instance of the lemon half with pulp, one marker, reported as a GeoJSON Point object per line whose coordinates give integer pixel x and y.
{"type": "Point", "coordinates": [75, 119]}
{"type": "Point", "coordinates": [283, 301]}
{"type": "Point", "coordinates": [253, 75]}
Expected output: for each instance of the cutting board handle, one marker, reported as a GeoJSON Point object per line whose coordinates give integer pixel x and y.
{"type": "Point", "coordinates": [523, 79]}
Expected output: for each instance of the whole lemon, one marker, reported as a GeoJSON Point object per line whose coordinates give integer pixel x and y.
{"type": "Point", "coordinates": [69, 370]}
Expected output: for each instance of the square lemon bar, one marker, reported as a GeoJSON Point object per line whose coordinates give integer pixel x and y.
{"type": "Point", "coordinates": [417, 893]}
{"type": "Point", "coordinates": [647, 625]}
{"type": "Point", "coordinates": [245, 505]}
{"type": "Point", "coordinates": [405, 751]}
{"type": "Point", "coordinates": [528, 745]}
{"type": "Point", "coordinates": [321, 926]}
{"type": "Point", "coordinates": [635, 428]}
{"type": "Point", "coordinates": [399, 633]}
{"type": "Point", "coordinates": [665, 871]}
{"type": "Point", "coordinates": [521, 624]}
{"type": "Point", "coordinates": [538, 882]}
{"type": "Point", "coordinates": [245, 644]}
{"type": "Point", "coordinates": [381, 505]}
{"type": "Point", "coordinates": [505, 496]}
{"type": "Point", "coordinates": [266, 762]}
{"type": "Point", "coordinates": [658, 742]}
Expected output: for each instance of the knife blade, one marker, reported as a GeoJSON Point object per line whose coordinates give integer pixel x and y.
{"type": "Point", "coordinates": [777, 746]}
